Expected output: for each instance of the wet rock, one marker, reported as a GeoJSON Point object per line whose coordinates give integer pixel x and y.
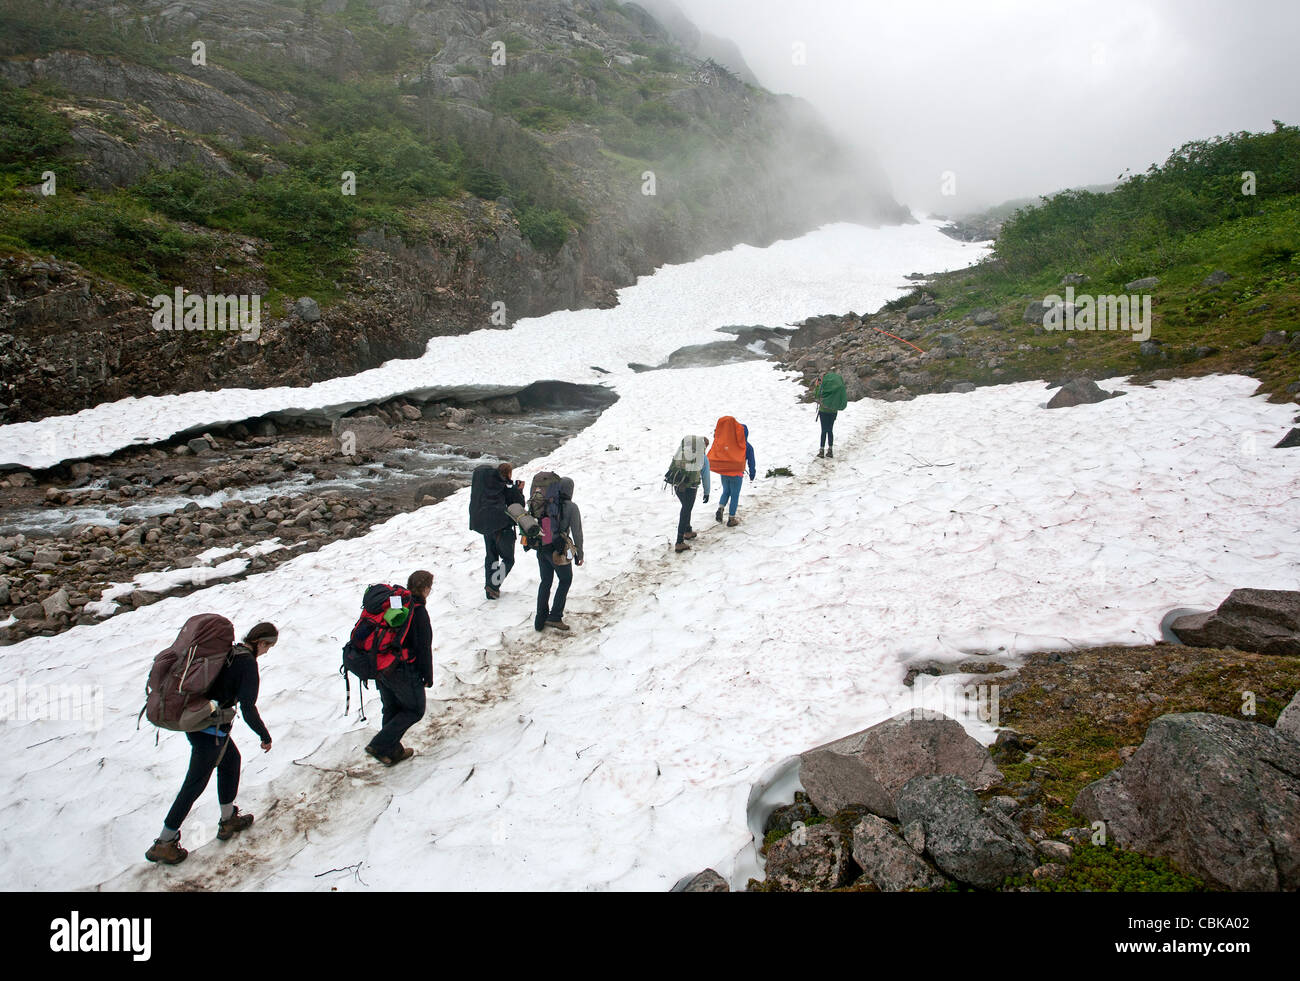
{"type": "Point", "coordinates": [870, 767]}
{"type": "Point", "coordinates": [888, 861]}
{"type": "Point", "coordinates": [1290, 440]}
{"type": "Point", "coordinates": [362, 435]}
{"type": "Point", "coordinates": [974, 845]}
{"type": "Point", "coordinates": [1219, 797]}
{"type": "Point", "coordinates": [1265, 621]}
{"type": "Point", "coordinates": [816, 858]}
{"type": "Point", "coordinates": [783, 818]}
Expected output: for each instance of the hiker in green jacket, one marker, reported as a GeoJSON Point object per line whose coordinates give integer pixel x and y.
{"type": "Point", "coordinates": [832, 398]}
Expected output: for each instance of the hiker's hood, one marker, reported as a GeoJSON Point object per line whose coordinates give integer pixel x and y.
{"type": "Point", "coordinates": [566, 488]}
{"type": "Point", "coordinates": [692, 447]}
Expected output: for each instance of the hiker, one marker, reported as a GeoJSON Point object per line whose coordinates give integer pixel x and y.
{"type": "Point", "coordinates": [556, 561]}
{"type": "Point", "coordinates": [493, 490]}
{"type": "Point", "coordinates": [832, 398]}
{"type": "Point", "coordinates": [687, 473]}
{"type": "Point", "coordinates": [214, 748]}
{"type": "Point", "coordinates": [730, 454]}
{"type": "Point", "coordinates": [402, 682]}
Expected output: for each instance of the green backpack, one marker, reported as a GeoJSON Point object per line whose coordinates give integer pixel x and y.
{"type": "Point", "coordinates": [832, 394]}
{"type": "Point", "coordinates": [688, 462]}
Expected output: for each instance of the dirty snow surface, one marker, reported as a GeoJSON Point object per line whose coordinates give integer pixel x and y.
{"type": "Point", "coordinates": [622, 756]}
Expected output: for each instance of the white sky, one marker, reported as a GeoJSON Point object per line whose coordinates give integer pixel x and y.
{"type": "Point", "coordinates": [1022, 97]}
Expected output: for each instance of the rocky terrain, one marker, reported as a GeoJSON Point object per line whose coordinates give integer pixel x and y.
{"type": "Point", "coordinates": [618, 96]}
{"type": "Point", "coordinates": [1164, 768]}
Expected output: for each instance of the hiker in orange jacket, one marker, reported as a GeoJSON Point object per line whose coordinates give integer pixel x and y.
{"type": "Point", "coordinates": [729, 455]}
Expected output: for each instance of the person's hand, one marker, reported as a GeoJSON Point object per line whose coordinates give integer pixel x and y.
{"type": "Point", "coordinates": [519, 485]}
{"type": "Point", "coordinates": [579, 560]}
{"type": "Point", "coordinates": [266, 746]}
{"type": "Point", "coordinates": [428, 682]}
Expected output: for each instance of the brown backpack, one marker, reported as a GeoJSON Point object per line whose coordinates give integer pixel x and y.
{"type": "Point", "coordinates": [176, 696]}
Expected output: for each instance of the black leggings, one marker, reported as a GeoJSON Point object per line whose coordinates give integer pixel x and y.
{"type": "Point", "coordinates": [500, 546]}
{"type": "Point", "coordinates": [828, 428]}
{"type": "Point", "coordinates": [687, 496]}
{"type": "Point", "coordinates": [204, 750]}
{"type": "Point", "coordinates": [546, 610]}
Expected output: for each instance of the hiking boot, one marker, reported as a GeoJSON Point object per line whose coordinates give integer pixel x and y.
{"type": "Point", "coordinates": [233, 825]}
{"type": "Point", "coordinates": [718, 516]}
{"type": "Point", "coordinates": [167, 852]}
{"type": "Point", "coordinates": [732, 522]}
{"type": "Point", "coordinates": [558, 625]}
{"type": "Point", "coordinates": [492, 593]}
{"type": "Point", "coordinates": [830, 454]}
{"type": "Point", "coordinates": [386, 760]}
{"type": "Point", "coordinates": [690, 536]}
{"type": "Point", "coordinates": [821, 454]}
{"type": "Point", "coordinates": [401, 753]}
{"type": "Point", "coordinates": [681, 547]}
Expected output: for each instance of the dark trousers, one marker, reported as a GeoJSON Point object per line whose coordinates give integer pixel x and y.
{"type": "Point", "coordinates": [204, 750]}
{"type": "Point", "coordinates": [828, 428]}
{"type": "Point", "coordinates": [687, 496]}
{"type": "Point", "coordinates": [402, 693]}
{"type": "Point", "coordinates": [549, 572]}
{"type": "Point", "coordinates": [500, 548]}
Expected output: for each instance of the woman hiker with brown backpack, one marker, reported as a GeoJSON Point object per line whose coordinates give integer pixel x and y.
{"type": "Point", "coordinates": [213, 748]}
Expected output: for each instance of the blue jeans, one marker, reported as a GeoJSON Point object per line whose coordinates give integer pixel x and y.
{"type": "Point", "coordinates": [730, 492]}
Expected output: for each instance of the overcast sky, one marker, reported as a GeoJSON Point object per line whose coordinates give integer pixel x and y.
{"type": "Point", "coordinates": [1021, 97]}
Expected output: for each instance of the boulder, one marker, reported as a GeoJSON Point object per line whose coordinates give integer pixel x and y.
{"type": "Point", "coordinates": [1274, 338]}
{"type": "Point", "coordinates": [1288, 723]}
{"type": "Point", "coordinates": [1073, 279]}
{"type": "Point", "coordinates": [508, 406]}
{"type": "Point", "coordinates": [1139, 285]}
{"type": "Point", "coordinates": [1218, 797]}
{"type": "Point", "coordinates": [985, 317]}
{"type": "Point", "coordinates": [976, 845]}
{"type": "Point", "coordinates": [1265, 621]}
{"type": "Point", "coordinates": [1216, 278]}
{"type": "Point", "coordinates": [888, 861]}
{"type": "Point", "coordinates": [409, 412]}
{"type": "Point", "coordinates": [362, 435]}
{"type": "Point", "coordinates": [923, 311]}
{"type": "Point", "coordinates": [199, 445]}
{"type": "Point", "coordinates": [1080, 391]}
{"type": "Point", "coordinates": [55, 604]}
{"type": "Point", "coordinates": [1289, 441]}
{"type": "Point", "coordinates": [871, 766]}
{"type": "Point", "coordinates": [815, 858]}
{"type": "Point", "coordinates": [307, 309]}
{"type": "Point", "coordinates": [707, 881]}
{"type": "Point", "coordinates": [436, 489]}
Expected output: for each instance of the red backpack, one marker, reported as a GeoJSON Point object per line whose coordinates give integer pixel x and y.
{"type": "Point", "coordinates": [176, 695]}
{"type": "Point", "coordinates": [378, 640]}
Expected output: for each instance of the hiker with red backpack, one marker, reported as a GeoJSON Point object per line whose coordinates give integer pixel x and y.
{"type": "Point", "coordinates": [492, 492]}
{"type": "Point", "coordinates": [558, 551]}
{"type": "Point", "coordinates": [404, 670]}
{"type": "Point", "coordinates": [204, 646]}
{"type": "Point", "coordinates": [730, 454]}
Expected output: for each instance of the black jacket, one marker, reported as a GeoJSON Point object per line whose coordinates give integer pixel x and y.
{"type": "Point", "coordinates": [238, 683]}
{"type": "Point", "coordinates": [419, 640]}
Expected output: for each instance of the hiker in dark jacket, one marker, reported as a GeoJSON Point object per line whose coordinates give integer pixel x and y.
{"type": "Point", "coordinates": [214, 749]}
{"type": "Point", "coordinates": [493, 522]}
{"type": "Point", "coordinates": [402, 685]}
{"type": "Point", "coordinates": [556, 561]}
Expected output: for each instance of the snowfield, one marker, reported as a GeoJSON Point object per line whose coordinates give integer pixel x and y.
{"type": "Point", "coordinates": [835, 269]}
{"type": "Point", "coordinates": [623, 756]}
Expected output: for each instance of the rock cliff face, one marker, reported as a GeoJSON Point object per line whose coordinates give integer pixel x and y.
{"type": "Point", "coordinates": [742, 165]}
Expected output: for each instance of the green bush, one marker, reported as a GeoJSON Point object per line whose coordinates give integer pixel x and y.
{"type": "Point", "coordinates": [546, 230]}
{"type": "Point", "coordinates": [32, 138]}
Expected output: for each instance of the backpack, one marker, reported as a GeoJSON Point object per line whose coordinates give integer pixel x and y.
{"type": "Point", "coordinates": [487, 498]}
{"type": "Point", "coordinates": [176, 694]}
{"type": "Point", "coordinates": [378, 639]}
{"type": "Point", "coordinates": [544, 507]}
{"type": "Point", "coordinates": [727, 452]}
{"type": "Point", "coordinates": [832, 394]}
{"type": "Point", "coordinates": [685, 471]}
